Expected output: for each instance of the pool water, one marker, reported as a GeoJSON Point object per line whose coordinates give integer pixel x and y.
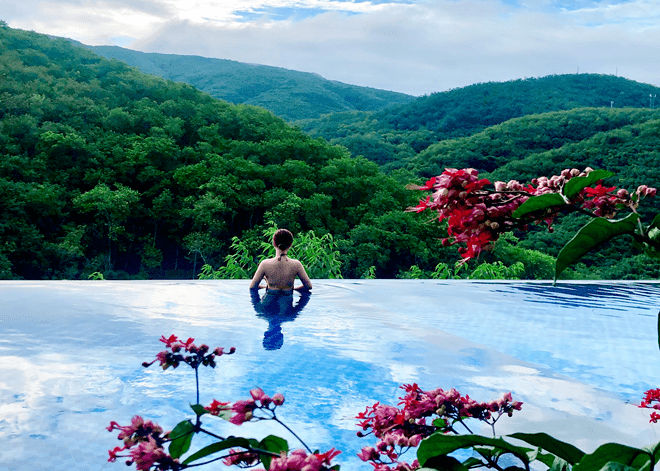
{"type": "Point", "coordinates": [578, 355]}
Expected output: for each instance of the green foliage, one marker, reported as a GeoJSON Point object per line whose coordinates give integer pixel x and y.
{"type": "Point", "coordinates": [483, 271]}
{"type": "Point", "coordinates": [536, 265]}
{"type": "Point", "coordinates": [497, 271]}
{"type": "Point", "coordinates": [370, 274]}
{"type": "Point", "coordinates": [318, 255]}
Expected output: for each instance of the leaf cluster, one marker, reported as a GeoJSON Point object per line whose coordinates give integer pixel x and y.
{"type": "Point", "coordinates": [555, 455]}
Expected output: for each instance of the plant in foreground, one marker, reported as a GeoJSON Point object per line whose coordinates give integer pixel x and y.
{"type": "Point", "coordinates": [477, 214]}
{"type": "Point", "coordinates": [144, 441]}
{"type": "Point", "coordinates": [435, 422]}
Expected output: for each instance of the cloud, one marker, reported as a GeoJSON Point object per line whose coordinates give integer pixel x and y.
{"type": "Point", "coordinates": [415, 48]}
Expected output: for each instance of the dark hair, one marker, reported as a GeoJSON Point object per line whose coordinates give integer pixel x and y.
{"type": "Point", "coordinates": [282, 239]}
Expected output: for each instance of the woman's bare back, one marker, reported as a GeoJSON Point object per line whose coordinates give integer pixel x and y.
{"type": "Point", "coordinates": [280, 273]}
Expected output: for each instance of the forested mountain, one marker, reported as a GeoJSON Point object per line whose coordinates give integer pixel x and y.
{"type": "Point", "coordinates": [287, 93]}
{"type": "Point", "coordinates": [104, 168]}
{"type": "Point", "coordinates": [400, 132]}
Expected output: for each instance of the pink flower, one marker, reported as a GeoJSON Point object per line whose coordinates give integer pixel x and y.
{"type": "Point", "coordinates": [259, 395]}
{"type": "Point", "coordinates": [243, 411]}
{"type": "Point", "coordinates": [147, 453]}
{"type": "Point", "coordinates": [368, 453]}
{"type": "Point", "coordinates": [278, 399]}
{"type": "Point", "coordinates": [299, 460]}
{"type": "Point", "coordinates": [237, 457]}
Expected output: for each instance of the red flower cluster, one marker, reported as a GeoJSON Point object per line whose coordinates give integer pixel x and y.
{"type": "Point", "coordinates": [651, 396]}
{"type": "Point", "coordinates": [399, 429]}
{"type": "Point", "coordinates": [143, 440]}
{"type": "Point", "coordinates": [477, 216]}
{"type": "Point", "coordinates": [197, 355]}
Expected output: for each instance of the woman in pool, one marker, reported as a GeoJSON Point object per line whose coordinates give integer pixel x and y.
{"type": "Point", "coordinates": [281, 271]}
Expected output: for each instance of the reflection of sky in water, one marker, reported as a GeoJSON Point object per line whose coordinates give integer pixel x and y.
{"type": "Point", "coordinates": [70, 355]}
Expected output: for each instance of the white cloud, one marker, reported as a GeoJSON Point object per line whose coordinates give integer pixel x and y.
{"type": "Point", "coordinates": [411, 47]}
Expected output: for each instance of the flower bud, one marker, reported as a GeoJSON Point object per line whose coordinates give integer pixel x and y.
{"type": "Point", "coordinates": [278, 399]}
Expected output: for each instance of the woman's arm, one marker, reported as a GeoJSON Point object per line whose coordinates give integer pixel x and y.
{"type": "Point", "coordinates": [302, 274]}
{"type": "Point", "coordinates": [258, 276]}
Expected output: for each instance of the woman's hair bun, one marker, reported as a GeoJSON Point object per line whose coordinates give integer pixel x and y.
{"type": "Point", "coordinates": [283, 239]}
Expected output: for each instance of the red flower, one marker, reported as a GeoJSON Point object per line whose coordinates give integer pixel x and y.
{"type": "Point", "coordinates": [600, 190]}
{"type": "Point", "coordinates": [423, 204]}
{"type": "Point", "coordinates": [171, 340]}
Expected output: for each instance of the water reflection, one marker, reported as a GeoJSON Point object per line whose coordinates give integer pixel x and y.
{"type": "Point", "coordinates": [277, 307]}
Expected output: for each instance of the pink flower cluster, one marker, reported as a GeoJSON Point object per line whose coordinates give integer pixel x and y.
{"type": "Point", "coordinates": [143, 440]}
{"type": "Point", "coordinates": [399, 429]}
{"type": "Point", "coordinates": [299, 460]}
{"type": "Point", "coordinates": [196, 355]}
{"type": "Point", "coordinates": [477, 216]}
{"type": "Point", "coordinates": [651, 396]}
{"type": "Point", "coordinates": [243, 411]}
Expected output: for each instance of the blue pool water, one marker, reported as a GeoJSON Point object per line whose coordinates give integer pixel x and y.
{"type": "Point", "coordinates": [578, 355]}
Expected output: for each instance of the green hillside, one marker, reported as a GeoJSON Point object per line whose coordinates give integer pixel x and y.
{"type": "Point", "coordinates": [106, 169]}
{"type": "Point", "coordinates": [287, 93]}
{"type": "Point", "coordinates": [401, 132]}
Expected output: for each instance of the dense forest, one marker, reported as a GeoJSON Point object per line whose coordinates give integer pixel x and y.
{"type": "Point", "coordinates": [106, 169]}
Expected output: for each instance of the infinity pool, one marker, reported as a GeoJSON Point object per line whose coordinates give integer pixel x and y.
{"type": "Point", "coordinates": [578, 355]}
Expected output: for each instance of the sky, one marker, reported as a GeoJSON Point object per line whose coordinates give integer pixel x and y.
{"type": "Point", "coordinates": [409, 46]}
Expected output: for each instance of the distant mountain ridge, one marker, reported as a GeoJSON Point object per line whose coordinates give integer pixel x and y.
{"type": "Point", "coordinates": [391, 136]}
{"type": "Point", "coordinates": [289, 94]}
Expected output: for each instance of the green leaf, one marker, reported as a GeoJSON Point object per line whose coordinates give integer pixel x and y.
{"type": "Point", "coordinates": [229, 442]}
{"type": "Point", "coordinates": [538, 203]}
{"type": "Point", "coordinates": [181, 437]}
{"type": "Point", "coordinates": [564, 450]}
{"type": "Point", "coordinates": [656, 222]}
{"type": "Point", "coordinates": [547, 459]}
{"type": "Point", "coordinates": [444, 463]}
{"type": "Point", "coordinates": [655, 449]}
{"type": "Point", "coordinates": [439, 444]}
{"type": "Point", "coordinates": [614, 466]}
{"type": "Point", "coordinates": [590, 236]}
{"type": "Point", "coordinates": [274, 444]}
{"type": "Point", "coordinates": [473, 462]}
{"type": "Point", "coordinates": [612, 452]}
{"type": "Point", "coordinates": [577, 184]}
{"type": "Point", "coordinates": [198, 409]}
{"type": "Point", "coordinates": [560, 465]}
{"type": "Point", "coordinates": [441, 423]}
